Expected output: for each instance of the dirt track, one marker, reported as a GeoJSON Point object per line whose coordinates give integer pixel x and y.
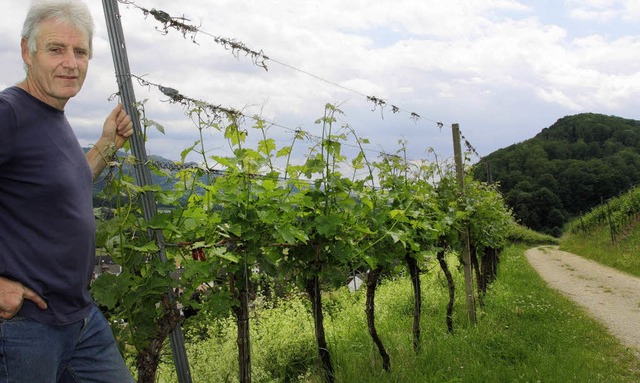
{"type": "Point", "coordinates": [612, 297]}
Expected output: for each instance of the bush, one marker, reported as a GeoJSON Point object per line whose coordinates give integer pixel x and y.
{"type": "Point", "coordinates": [526, 236]}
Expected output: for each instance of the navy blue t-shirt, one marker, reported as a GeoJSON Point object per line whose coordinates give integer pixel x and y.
{"type": "Point", "coordinates": [47, 225]}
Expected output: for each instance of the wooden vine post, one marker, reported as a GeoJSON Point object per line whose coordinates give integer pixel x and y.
{"type": "Point", "coordinates": [612, 228]}
{"type": "Point", "coordinates": [142, 174]}
{"type": "Point", "coordinates": [466, 250]}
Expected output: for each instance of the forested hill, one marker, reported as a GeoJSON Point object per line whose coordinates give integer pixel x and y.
{"type": "Point", "coordinates": [566, 169]}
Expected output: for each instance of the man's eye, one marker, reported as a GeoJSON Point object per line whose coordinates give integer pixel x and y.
{"type": "Point", "coordinates": [56, 51]}
{"type": "Point", "coordinates": [81, 53]}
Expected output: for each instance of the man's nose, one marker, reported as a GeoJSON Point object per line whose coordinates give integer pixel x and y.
{"type": "Point", "coordinates": [70, 60]}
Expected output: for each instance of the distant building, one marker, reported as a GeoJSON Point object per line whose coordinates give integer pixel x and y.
{"type": "Point", "coordinates": [355, 282]}
{"type": "Point", "coordinates": [105, 264]}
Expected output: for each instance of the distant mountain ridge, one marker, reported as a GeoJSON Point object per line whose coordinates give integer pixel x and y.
{"type": "Point", "coordinates": [566, 169]}
{"type": "Point", "coordinates": [155, 179]}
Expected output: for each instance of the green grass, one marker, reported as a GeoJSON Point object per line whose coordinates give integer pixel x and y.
{"type": "Point", "coordinates": [524, 333]}
{"type": "Point", "coordinates": [624, 255]}
{"type": "Point", "coordinates": [523, 235]}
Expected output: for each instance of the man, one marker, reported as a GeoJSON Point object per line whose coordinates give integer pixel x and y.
{"type": "Point", "coordinates": [50, 329]}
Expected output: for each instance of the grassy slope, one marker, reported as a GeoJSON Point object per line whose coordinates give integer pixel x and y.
{"type": "Point", "coordinates": [597, 245]}
{"type": "Point", "coordinates": [525, 333]}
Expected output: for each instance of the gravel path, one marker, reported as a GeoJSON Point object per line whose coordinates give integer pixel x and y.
{"type": "Point", "coordinates": [612, 297]}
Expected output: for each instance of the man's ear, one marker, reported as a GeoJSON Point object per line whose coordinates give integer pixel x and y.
{"type": "Point", "coordinates": [26, 55]}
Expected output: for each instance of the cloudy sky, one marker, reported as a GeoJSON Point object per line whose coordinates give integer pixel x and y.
{"type": "Point", "coordinates": [502, 69]}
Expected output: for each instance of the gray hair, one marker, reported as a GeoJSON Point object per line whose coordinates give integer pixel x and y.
{"type": "Point", "coordinates": [71, 12]}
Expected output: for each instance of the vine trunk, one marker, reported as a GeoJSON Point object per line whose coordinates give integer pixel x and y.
{"type": "Point", "coordinates": [148, 357]}
{"type": "Point", "coordinates": [414, 271]}
{"type": "Point", "coordinates": [451, 286]}
{"type": "Point", "coordinates": [243, 340]}
{"type": "Point", "coordinates": [315, 295]}
{"type": "Point", "coordinates": [372, 284]}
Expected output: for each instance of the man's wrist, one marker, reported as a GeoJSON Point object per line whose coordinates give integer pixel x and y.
{"type": "Point", "coordinates": [107, 151]}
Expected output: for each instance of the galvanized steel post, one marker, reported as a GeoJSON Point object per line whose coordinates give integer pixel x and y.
{"type": "Point", "coordinates": [142, 173]}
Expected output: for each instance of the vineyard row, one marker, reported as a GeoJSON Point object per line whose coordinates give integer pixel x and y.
{"type": "Point", "coordinates": [308, 226]}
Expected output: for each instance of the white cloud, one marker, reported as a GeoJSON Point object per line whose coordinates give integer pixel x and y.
{"type": "Point", "coordinates": [557, 96]}
{"type": "Point", "coordinates": [484, 63]}
{"type": "Point", "coordinates": [604, 11]}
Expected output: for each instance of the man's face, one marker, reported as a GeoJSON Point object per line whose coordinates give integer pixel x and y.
{"type": "Point", "coordinates": [58, 67]}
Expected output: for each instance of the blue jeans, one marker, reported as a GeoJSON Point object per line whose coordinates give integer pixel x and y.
{"type": "Point", "coordinates": [84, 351]}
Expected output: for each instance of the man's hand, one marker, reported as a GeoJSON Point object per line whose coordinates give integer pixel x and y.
{"type": "Point", "coordinates": [116, 131]}
{"type": "Point", "coordinates": [13, 294]}
{"type": "Point", "coordinates": [117, 128]}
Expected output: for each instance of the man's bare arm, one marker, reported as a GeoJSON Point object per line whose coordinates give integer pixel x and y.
{"type": "Point", "coordinates": [116, 131]}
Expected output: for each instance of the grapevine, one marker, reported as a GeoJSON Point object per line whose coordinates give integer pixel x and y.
{"type": "Point", "coordinates": [307, 224]}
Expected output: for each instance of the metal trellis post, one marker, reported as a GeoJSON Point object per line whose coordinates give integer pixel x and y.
{"type": "Point", "coordinates": [142, 174]}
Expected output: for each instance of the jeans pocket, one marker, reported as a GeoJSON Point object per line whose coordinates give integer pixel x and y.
{"type": "Point", "coordinates": [15, 319]}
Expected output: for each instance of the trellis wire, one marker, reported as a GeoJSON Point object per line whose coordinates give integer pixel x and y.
{"type": "Point", "coordinates": [219, 111]}
{"type": "Point", "coordinates": [259, 59]}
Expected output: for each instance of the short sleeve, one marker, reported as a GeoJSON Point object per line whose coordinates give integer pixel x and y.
{"type": "Point", "coordinates": [7, 130]}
